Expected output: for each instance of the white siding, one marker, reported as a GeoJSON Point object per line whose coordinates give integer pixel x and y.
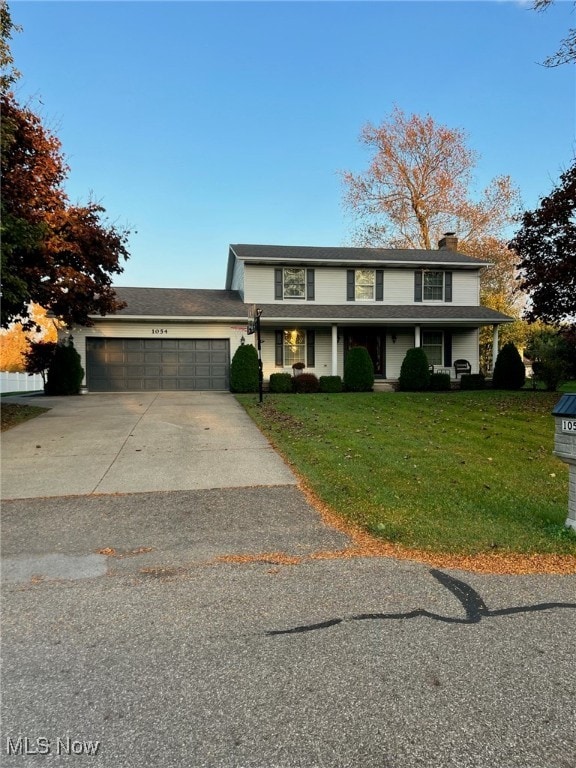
{"type": "Point", "coordinates": [258, 284]}
{"type": "Point", "coordinates": [466, 288]}
{"type": "Point", "coordinates": [142, 330]}
{"type": "Point", "coordinates": [330, 286]}
{"type": "Point", "coordinates": [396, 352]}
{"type": "Point", "coordinates": [466, 346]}
{"type": "Point", "coordinates": [237, 283]}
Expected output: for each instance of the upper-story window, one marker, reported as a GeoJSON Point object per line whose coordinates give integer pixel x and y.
{"type": "Point", "coordinates": [432, 285]}
{"type": "Point", "coordinates": [365, 285]}
{"type": "Point", "coordinates": [293, 283]}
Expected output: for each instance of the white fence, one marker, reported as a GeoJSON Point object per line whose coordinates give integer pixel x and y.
{"type": "Point", "coordinates": [20, 382]}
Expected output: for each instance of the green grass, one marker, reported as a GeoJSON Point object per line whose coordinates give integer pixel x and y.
{"type": "Point", "coordinates": [12, 414]}
{"type": "Point", "coordinates": [459, 472]}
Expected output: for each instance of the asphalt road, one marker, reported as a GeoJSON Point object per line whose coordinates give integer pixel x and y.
{"type": "Point", "coordinates": [163, 656]}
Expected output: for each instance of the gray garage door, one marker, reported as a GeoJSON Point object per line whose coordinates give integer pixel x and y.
{"type": "Point", "coordinates": [129, 365]}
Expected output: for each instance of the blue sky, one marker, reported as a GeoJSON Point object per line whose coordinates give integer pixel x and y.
{"type": "Point", "coordinates": [200, 124]}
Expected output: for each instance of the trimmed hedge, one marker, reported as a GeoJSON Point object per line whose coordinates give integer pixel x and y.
{"type": "Point", "coordinates": [439, 382]}
{"type": "Point", "coordinates": [65, 372]}
{"type": "Point", "coordinates": [280, 383]}
{"type": "Point", "coordinates": [472, 381]}
{"type": "Point", "coordinates": [358, 370]}
{"type": "Point", "coordinates": [330, 384]}
{"type": "Point", "coordinates": [244, 369]}
{"type": "Point", "coordinates": [306, 383]}
{"type": "Point", "coordinates": [414, 372]}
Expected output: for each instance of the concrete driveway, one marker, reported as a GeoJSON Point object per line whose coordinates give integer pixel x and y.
{"type": "Point", "coordinates": [131, 443]}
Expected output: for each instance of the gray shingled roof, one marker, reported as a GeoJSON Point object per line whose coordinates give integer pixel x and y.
{"type": "Point", "coordinates": [181, 302]}
{"type": "Point", "coordinates": [385, 312]}
{"type": "Point", "coordinates": [342, 255]}
{"type": "Point", "coordinates": [225, 305]}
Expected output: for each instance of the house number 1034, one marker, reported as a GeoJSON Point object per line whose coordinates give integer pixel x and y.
{"type": "Point", "coordinates": [159, 331]}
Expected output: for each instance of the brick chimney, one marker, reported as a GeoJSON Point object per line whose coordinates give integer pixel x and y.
{"type": "Point", "coordinates": [449, 241]}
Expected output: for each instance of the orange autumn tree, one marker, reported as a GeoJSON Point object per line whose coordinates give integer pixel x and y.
{"type": "Point", "coordinates": [418, 186]}
{"type": "Point", "coordinates": [15, 340]}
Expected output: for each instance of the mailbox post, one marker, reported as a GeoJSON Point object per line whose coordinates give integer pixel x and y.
{"type": "Point", "coordinates": [565, 447]}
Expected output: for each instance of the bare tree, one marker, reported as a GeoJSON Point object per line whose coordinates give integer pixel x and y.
{"type": "Point", "coordinates": [567, 51]}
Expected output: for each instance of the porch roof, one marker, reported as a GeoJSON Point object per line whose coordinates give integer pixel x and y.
{"type": "Point", "coordinates": [395, 314]}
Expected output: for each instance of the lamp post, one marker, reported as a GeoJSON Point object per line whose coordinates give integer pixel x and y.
{"type": "Point", "coordinates": [254, 327]}
{"type": "Point", "coordinates": [259, 347]}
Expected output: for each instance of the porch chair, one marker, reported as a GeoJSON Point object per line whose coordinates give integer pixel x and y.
{"type": "Point", "coordinates": [462, 366]}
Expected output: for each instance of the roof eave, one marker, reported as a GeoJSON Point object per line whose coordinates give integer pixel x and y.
{"type": "Point", "coordinates": [172, 318]}
{"type": "Point", "coordinates": [356, 262]}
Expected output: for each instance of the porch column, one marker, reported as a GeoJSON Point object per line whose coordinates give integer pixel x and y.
{"type": "Point", "coordinates": [334, 350]}
{"type": "Point", "coordinates": [417, 342]}
{"type": "Point", "coordinates": [494, 345]}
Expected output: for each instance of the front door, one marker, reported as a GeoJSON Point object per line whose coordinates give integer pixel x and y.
{"type": "Point", "coordinates": [375, 342]}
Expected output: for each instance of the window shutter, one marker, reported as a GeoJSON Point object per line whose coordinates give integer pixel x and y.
{"type": "Point", "coordinates": [447, 286]}
{"type": "Point", "coordinates": [418, 286]}
{"type": "Point", "coordinates": [447, 349]}
{"type": "Point", "coordinates": [278, 284]}
{"type": "Point", "coordinates": [310, 349]}
{"type": "Point", "coordinates": [379, 285]}
{"type": "Point", "coordinates": [310, 284]}
{"type": "Point", "coordinates": [350, 281]}
{"type": "Point", "coordinates": [279, 348]}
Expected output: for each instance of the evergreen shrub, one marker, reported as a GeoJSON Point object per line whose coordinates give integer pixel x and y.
{"type": "Point", "coordinates": [330, 384]}
{"type": "Point", "coordinates": [244, 369]}
{"type": "Point", "coordinates": [509, 370]}
{"type": "Point", "coordinates": [439, 382]}
{"type": "Point", "coordinates": [65, 372]}
{"type": "Point", "coordinates": [280, 383]}
{"type": "Point", "coordinates": [306, 383]}
{"type": "Point", "coordinates": [414, 372]}
{"type": "Point", "coordinates": [358, 370]}
{"type": "Point", "coordinates": [472, 381]}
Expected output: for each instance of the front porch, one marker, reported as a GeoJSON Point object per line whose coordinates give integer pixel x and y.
{"type": "Point", "coordinates": [323, 348]}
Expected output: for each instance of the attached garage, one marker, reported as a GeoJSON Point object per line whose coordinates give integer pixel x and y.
{"type": "Point", "coordinates": [129, 365]}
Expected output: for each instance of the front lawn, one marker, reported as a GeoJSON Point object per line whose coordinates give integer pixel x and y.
{"type": "Point", "coordinates": [13, 414]}
{"type": "Point", "coordinates": [458, 472]}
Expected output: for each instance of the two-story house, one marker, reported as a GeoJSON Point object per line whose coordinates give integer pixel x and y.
{"type": "Point", "coordinates": [315, 303]}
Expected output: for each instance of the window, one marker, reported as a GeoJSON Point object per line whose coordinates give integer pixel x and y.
{"type": "Point", "coordinates": [294, 283]}
{"type": "Point", "coordinates": [433, 286]}
{"type": "Point", "coordinates": [294, 347]}
{"type": "Point", "coordinates": [364, 284]}
{"type": "Point", "coordinates": [432, 345]}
